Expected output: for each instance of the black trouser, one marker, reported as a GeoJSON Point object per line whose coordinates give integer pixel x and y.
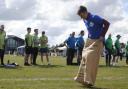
{"type": "Point", "coordinates": [2, 56]}
{"type": "Point", "coordinates": [34, 54]}
{"type": "Point", "coordinates": [121, 56]}
{"type": "Point", "coordinates": [108, 57]}
{"type": "Point", "coordinates": [126, 58]}
{"type": "Point", "coordinates": [70, 55]}
{"type": "Point", "coordinates": [79, 55]}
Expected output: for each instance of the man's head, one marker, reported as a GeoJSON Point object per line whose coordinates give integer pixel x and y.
{"type": "Point", "coordinates": [118, 36]}
{"type": "Point", "coordinates": [109, 35]}
{"type": "Point", "coordinates": [82, 12]}
{"type": "Point", "coordinates": [36, 31]}
{"type": "Point", "coordinates": [43, 32]}
{"type": "Point", "coordinates": [2, 27]}
{"type": "Point", "coordinates": [29, 30]}
{"type": "Point", "coordinates": [73, 34]}
{"type": "Point", "coordinates": [82, 33]}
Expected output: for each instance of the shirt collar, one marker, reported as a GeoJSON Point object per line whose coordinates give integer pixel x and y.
{"type": "Point", "coordinates": [88, 16]}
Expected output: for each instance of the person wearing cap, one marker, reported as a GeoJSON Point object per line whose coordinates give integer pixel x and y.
{"type": "Point", "coordinates": [97, 28]}
{"type": "Point", "coordinates": [80, 46]}
{"type": "Point", "coordinates": [118, 47]}
{"type": "Point", "coordinates": [44, 47]}
{"type": "Point", "coordinates": [35, 46]}
{"type": "Point", "coordinates": [108, 47]}
{"type": "Point", "coordinates": [2, 43]}
{"type": "Point", "coordinates": [28, 47]}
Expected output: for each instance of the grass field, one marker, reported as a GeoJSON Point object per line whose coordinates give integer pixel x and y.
{"type": "Point", "coordinates": [59, 76]}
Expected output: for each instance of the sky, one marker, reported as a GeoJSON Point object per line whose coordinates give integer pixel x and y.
{"type": "Point", "coordinates": [58, 18]}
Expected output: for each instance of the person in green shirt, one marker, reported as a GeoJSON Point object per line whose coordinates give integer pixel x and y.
{"type": "Point", "coordinates": [28, 47]}
{"type": "Point", "coordinates": [44, 47]}
{"type": "Point", "coordinates": [126, 48]}
{"type": "Point", "coordinates": [113, 55]}
{"type": "Point", "coordinates": [35, 46]}
{"type": "Point", "coordinates": [1, 46]}
{"type": "Point", "coordinates": [2, 43]}
{"type": "Point", "coordinates": [118, 47]}
{"type": "Point", "coordinates": [108, 47]}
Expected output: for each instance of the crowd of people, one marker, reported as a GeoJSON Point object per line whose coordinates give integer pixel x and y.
{"type": "Point", "coordinates": [32, 47]}
{"type": "Point", "coordinates": [114, 51]}
{"type": "Point", "coordinates": [74, 44]}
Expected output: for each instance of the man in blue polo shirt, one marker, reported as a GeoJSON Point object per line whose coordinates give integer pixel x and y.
{"type": "Point", "coordinates": [70, 48]}
{"type": "Point", "coordinates": [97, 28]}
{"type": "Point", "coordinates": [80, 46]}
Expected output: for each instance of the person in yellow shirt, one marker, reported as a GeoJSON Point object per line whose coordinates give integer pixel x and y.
{"type": "Point", "coordinates": [28, 47]}
{"type": "Point", "coordinates": [1, 46]}
{"type": "Point", "coordinates": [35, 46]}
{"type": "Point", "coordinates": [44, 47]}
{"type": "Point", "coordinates": [2, 43]}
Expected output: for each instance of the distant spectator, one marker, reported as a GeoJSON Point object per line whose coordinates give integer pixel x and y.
{"type": "Point", "coordinates": [2, 43]}
{"type": "Point", "coordinates": [70, 48]}
{"type": "Point", "coordinates": [126, 48]}
{"type": "Point", "coordinates": [28, 47]}
{"type": "Point", "coordinates": [44, 47]}
{"type": "Point", "coordinates": [108, 48]}
{"type": "Point", "coordinates": [35, 46]}
{"type": "Point", "coordinates": [118, 47]}
{"type": "Point", "coordinates": [80, 46]}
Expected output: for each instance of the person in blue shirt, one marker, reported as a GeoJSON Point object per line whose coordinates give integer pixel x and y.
{"type": "Point", "coordinates": [70, 48]}
{"type": "Point", "coordinates": [80, 46]}
{"type": "Point", "coordinates": [97, 28]}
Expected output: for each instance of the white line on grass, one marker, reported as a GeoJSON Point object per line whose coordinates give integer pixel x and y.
{"type": "Point", "coordinates": [34, 79]}
{"type": "Point", "coordinates": [57, 79]}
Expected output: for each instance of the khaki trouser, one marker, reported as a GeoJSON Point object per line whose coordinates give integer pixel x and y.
{"type": "Point", "coordinates": [90, 60]}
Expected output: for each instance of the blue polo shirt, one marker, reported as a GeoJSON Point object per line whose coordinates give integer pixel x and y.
{"type": "Point", "coordinates": [80, 42]}
{"type": "Point", "coordinates": [94, 26]}
{"type": "Point", "coordinates": [71, 42]}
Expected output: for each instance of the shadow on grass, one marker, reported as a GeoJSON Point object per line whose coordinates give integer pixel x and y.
{"type": "Point", "coordinates": [94, 87]}
{"type": "Point", "coordinates": [49, 66]}
{"type": "Point", "coordinates": [40, 66]}
{"type": "Point", "coordinates": [118, 66]}
{"type": "Point", "coordinates": [73, 64]}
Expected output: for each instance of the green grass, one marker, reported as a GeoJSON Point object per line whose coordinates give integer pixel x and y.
{"type": "Point", "coordinates": [59, 76]}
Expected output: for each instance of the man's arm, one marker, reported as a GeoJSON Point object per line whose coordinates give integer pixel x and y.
{"type": "Point", "coordinates": [105, 27]}
{"type": "Point", "coordinates": [26, 42]}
